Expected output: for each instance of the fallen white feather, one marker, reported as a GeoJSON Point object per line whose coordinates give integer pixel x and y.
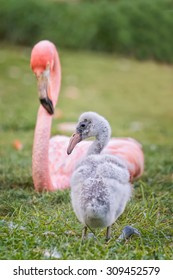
{"type": "Point", "coordinates": [52, 254]}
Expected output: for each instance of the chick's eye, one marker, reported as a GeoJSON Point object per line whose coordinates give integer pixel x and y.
{"type": "Point", "coordinates": [83, 125]}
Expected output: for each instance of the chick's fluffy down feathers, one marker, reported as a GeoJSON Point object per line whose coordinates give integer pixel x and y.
{"type": "Point", "coordinates": [100, 190]}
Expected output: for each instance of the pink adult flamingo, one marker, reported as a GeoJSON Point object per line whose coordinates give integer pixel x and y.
{"type": "Point", "coordinates": [51, 166]}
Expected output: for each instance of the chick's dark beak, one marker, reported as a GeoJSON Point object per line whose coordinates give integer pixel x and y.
{"type": "Point", "coordinates": [75, 138]}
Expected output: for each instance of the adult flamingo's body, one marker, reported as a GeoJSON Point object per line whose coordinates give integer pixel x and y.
{"type": "Point", "coordinates": [51, 166]}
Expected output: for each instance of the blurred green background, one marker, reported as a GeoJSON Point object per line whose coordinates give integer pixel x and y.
{"type": "Point", "coordinates": [135, 28]}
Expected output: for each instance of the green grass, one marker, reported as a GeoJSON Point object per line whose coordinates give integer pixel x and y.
{"type": "Point", "coordinates": [137, 99]}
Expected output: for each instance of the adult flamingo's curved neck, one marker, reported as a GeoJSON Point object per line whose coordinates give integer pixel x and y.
{"type": "Point", "coordinates": [40, 155]}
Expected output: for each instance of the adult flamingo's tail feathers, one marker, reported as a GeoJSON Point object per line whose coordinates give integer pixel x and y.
{"type": "Point", "coordinates": [131, 152]}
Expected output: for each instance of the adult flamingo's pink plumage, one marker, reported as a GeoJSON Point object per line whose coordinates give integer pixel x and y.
{"type": "Point", "coordinates": [51, 166]}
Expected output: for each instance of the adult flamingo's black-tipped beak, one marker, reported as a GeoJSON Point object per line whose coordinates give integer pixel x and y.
{"type": "Point", "coordinates": [44, 92]}
{"type": "Point", "coordinates": [47, 104]}
{"type": "Point", "coordinates": [75, 138]}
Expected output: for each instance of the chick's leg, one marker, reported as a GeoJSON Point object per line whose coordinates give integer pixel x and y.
{"type": "Point", "coordinates": [84, 232]}
{"type": "Point", "coordinates": [108, 233]}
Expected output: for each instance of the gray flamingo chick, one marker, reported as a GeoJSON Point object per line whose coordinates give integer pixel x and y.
{"type": "Point", "coordinates": [100, 187]}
